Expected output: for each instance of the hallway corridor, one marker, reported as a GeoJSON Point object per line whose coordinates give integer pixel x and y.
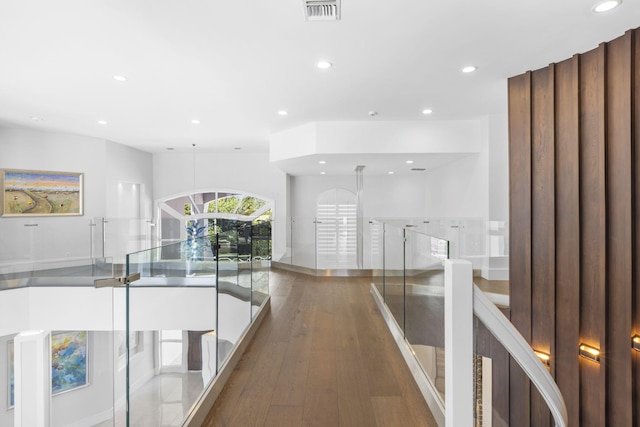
{"type": "Point", "coordinates": [322, 357]}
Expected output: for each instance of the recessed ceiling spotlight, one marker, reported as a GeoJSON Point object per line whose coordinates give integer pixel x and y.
{"type": "Point", "coordinates": [323, 65]}
{"type": "Point", "coordinates": [195, 121]}
{"type": "Point", "coordinates": [323, 173]}
{"type": "Point", "coordinates": [606, 6]}
{"type": "Point", "coordinates": [427, 111]}
{"type": "Point", "coordinates": [102, 122]}
{"type": "Point", "coordinates": [282, 112]}
{"type": "Point", "coordinates": [237, 148]}
{"type": "Point", "coordinates": [322, 162]}
{"type": "Point", "coordinates": [409, 162]}
{"type": "Point", "coordinates": [373, 113]}
{"type": "Point", "coordinates": [391, 172]}
{"type": "Point", "coordinates": [170, 148]}
{"type": "Point", "coordinates": [35, 118]}
{"type": "Point", "coordinates": [469, 69]}
{"type": "Point", "coordinates": [120, 78]}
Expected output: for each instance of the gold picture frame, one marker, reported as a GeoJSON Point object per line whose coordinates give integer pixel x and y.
{"type": "Point", "coordinates": [41, 193]}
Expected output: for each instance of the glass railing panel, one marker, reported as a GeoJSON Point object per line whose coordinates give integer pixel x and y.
{"type": "Point", "coordinates": [377, 255]}
{"type": "Point", "coordinates": [303, 242]}
{"type": "Point", "coordinates": [26, 243]}
{"type": "Point", "coordinates": [171, 330]}
{"type": "Point", "coordinates": [234, 287]}
{"type": "Point", "coordinates": [126, 235]}
{"type": "Point", "coordinates": [424, 303]}
{"type": "Point", "coordinates": [260, 263]}
{"type": "Point", "coordinates": [394, 272]}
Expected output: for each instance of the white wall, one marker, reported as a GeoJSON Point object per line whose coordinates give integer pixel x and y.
{"type": "Point", "coordinates": [498, 168]}
{"type": "Point", "coordinates": [384, 196]}
{"type": "Point", "coordinates": [83, 406]}
{"type": "Point", "coordinates": [126, 164]}
{"type": "Point", "coordinates": [103, 164]}
{"type": "Point", "coordinates": [243, 172]}
{"type": "Point", "coordinates": [52, 151]}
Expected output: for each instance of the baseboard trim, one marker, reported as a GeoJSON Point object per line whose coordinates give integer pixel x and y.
{"type": "Point", "coordinates": [329, 272]}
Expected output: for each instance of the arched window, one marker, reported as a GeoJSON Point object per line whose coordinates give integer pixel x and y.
{"type": "Point", "coordinates": [336, 229]}
{"type": "Point", "coordinates": [204, 213]}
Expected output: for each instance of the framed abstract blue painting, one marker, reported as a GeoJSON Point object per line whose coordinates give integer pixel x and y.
{"type": "Point", "coordinates": [68, 361]}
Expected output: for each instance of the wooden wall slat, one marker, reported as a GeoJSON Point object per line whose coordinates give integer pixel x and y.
{"type": "Point", "coordinates": [636, 217]}
{"type": "Point", "coordinates": [542, 225]}
{"type": "Point", "coordinates": [577, 254]}
{"type": "Point", "coordinates": [592, 233]}
{"type": "Point", "coordinates": [567, 373]}
{"type": "Point", "coordinates": [619, 202]}
{"type": "Point", "coordinates": [520, 242]}
{"type": "Point", "coordinates": [500, 363]}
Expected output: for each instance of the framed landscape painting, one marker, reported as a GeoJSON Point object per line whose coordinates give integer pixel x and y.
{"type": "Point", "coordinates": [68, 361]}
{"type": "Point", "coordinates": [41, 193]}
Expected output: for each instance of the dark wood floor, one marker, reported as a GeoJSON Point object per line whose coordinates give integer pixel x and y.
{"type": "Point", "coordinates": [322, 357]}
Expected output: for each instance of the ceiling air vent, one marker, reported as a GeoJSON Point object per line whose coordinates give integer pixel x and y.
{"type": "Point", "coordinates": [418, 169]}
{"type": "Point", "coordinates": [322, 10]}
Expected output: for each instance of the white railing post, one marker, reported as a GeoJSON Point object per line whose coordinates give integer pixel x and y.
{"type": "Point", "coordinates": [458, 339]}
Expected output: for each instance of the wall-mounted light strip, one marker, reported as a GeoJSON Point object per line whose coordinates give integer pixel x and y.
{"type": "Point", "coordinates": [544, 357]}
{"type": "Point", "coordinates": [589, 352]}
{"type": "Point", "coordinates": [635, 342]}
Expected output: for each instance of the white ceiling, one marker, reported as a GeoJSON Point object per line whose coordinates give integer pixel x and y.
{"type": "Point", "coordinates": [234, 64]}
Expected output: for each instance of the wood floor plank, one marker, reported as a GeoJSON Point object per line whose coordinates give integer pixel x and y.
{"type": "Point", "coordinates": [284, 416]}
{"type": "Point", "coordinates": [323, 357]}
{"type": "Point", "coordinates": [391, 411]}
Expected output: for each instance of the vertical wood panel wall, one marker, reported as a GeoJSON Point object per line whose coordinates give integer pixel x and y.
{"type": "Point", "coordinates": [574, 202]}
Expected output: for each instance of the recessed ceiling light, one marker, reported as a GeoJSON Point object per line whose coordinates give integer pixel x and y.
{"type": "Point", "coordinates": [409, 162]}
{"type": "Point", "coordinates": [120, 78]}
{"type": "Point", "coordinates": [391, 172]}
{"type": "Point", "coordinates": [323, 65]}
{"type": "Point", "coordinates": [282, 112]}
{"type": "Point", "coordinates": [469, 69]}
{"type": "Point", "coordinates": [373, 113]}
{"type": "Point", "coordinates": [427, 111]}
{"type": "Point", "coordinates": [35, 118]}
{"type": "Point", "coordinates": [170, 148]}
{"type": "Point", "coordinates": [102, 122]}
{"type": "Point", "coordinates": [237, 148]}
{"type": "Point", "coordinates": [322, 162]}
{"type": "Point", "coordinates": [195, 121]}
{"type": "Point", "coordinates": [323, 173]}
{"type": "Point", "coordinates": [606, 6]}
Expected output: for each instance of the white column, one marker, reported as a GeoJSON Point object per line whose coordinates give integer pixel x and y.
{"type": "Point", "coordinates": [359, 224]}
{"type": "Point", "coordinates": [458, 342]}
{"type": "Point", "coordinates": [32, 379]}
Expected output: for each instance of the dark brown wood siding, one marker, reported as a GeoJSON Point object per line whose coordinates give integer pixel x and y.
{"type": "Point", "coordinates": [520, 245]}
{"type": "Point", "coordinates": [574, 243]}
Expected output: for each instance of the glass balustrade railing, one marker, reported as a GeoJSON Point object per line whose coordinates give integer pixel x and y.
{"type": "Point", "coordinates": [415, 291]}
{"type": "Point", "coordinates": [330, 242]}
{"type": "Point", "coordinates": [124, 351]}
{"type": "Point", "coordinates": [424, 302]}
{"type": "Point", "coordinates": [29, 245]}
{"type": "Point", "coordinates": [194, 301]}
